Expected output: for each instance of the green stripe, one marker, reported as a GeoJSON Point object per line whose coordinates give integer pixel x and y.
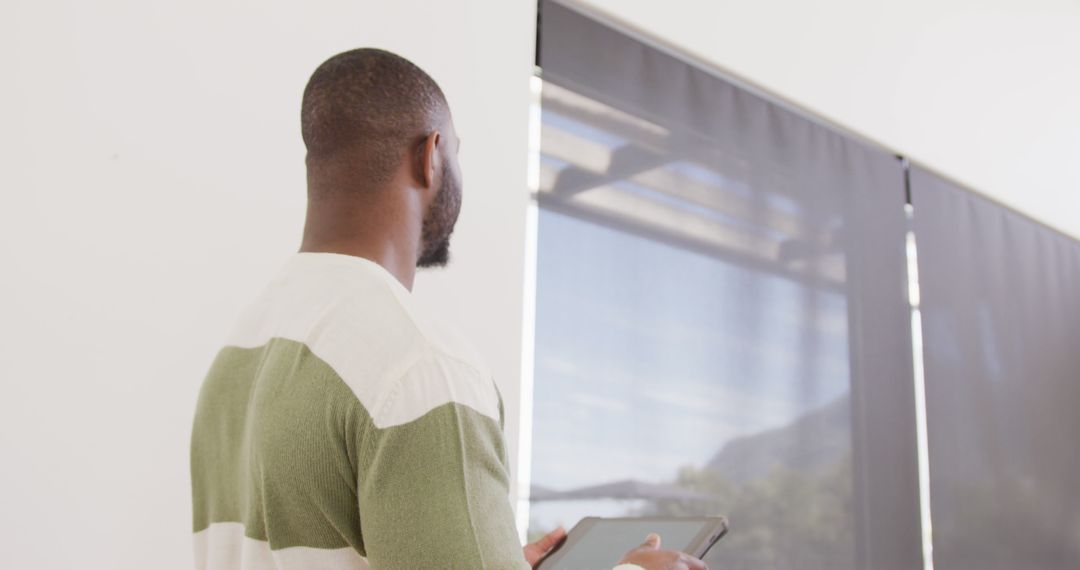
{"type": "Point", "coordinates": [281, 444]}
{"type": "Point", "coordinates": [273, 447]}
{"type": "Point", "coordinates": [434, 494]}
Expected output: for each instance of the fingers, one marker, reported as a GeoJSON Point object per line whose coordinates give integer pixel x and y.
{"type": "Point", "coordinates": [551, 539]}
{"type": "Point", "coordinates": [692, 563]}
{"type": "Point", "coordinates": [652, 542]}
{"type": "Point", "coordinates": [535, 551]}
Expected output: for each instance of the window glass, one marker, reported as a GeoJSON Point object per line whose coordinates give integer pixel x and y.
{"type": "Point", "coordinates": [680, 369]}
{"type": "Point", "coordinates": [722, 324]}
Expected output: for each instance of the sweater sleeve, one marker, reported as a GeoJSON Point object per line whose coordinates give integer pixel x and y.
{"type": "Point", "coordinates": [433, 490]}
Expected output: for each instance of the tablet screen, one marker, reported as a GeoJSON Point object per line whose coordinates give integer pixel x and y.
{"type": "Point", "coordinates": [607, 541]}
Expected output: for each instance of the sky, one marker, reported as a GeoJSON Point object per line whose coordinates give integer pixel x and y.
{"type": "Point", "coordinates": [650, 357]}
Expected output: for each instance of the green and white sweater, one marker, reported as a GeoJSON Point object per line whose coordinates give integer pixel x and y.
{"type": "Point", "coordinates": [342, 429]}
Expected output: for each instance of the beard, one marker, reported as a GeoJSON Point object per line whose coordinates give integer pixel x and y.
{"type": "Point", "coordinates": [439, 222]}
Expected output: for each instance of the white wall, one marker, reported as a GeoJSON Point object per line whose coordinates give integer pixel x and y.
{"type": "Point", "coordinates": [984, 91]}
{"type": "Point", "coordinates": [152, 178]}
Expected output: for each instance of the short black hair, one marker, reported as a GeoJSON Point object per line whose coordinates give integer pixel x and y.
{"type": "Point", "coordinates": [370, 101]}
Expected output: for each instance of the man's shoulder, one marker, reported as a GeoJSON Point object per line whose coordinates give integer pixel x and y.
{"type": "Point", "coordinates": [433, 381]}
{"type": "Point", "coordinates": [366, 326]}
{"type": "Point", "coordinates": [441, 368]}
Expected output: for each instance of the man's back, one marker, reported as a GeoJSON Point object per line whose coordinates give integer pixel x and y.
{"type": "Point", "coordinates": [341, 428]}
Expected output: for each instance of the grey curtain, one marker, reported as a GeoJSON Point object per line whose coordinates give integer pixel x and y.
{"type": "Point", "coordinates": [1000, 298]}
{"type": "Point", "coordinates": [654, 145]}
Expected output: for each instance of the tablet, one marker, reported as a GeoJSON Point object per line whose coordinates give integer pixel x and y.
{"type": "Point", "coordinates": [598, 543]}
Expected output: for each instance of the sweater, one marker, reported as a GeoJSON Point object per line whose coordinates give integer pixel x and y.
{"type": "Point", "coordinates": [342, 428]}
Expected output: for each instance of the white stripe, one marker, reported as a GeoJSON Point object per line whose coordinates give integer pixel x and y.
{"type": "Point", "coordinates": [358, 319]}
{"type": "Point", "coordinates": [223, 546]}
{"type": "Point", "coordinates": [921, 435]}
{"type": "Point", "coordinates": [430, 383]}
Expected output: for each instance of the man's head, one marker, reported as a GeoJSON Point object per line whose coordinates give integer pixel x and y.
{"type": "Point", "coordinates": [371, 121]}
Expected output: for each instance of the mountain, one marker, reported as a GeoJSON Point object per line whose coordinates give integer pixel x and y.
{"type": "Point", "coordinates": [625, 490]}
{"type": "Point", "coordinates": [814, 441]}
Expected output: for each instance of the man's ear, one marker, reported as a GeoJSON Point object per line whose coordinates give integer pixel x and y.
{"type": "Point", "coordinates": [429, 159]}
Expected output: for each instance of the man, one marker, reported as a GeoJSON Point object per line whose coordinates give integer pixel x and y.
{"type": "Point", "coordinates": [341, 427]}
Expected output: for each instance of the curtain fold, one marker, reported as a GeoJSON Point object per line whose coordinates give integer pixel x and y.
{"type": "Point", "coordinates": [1000, 297]}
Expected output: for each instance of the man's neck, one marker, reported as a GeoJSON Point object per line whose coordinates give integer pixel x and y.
{"type": "Point", "coordinates": [382, 233]}
{"type": "Point", "coordinates": [381, 225]}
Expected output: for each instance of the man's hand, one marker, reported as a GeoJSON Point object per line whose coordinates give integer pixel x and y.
{"type": "Point", "coordinates": [650, 557]}
{"type": "Point", "coordinates": [535, 551]}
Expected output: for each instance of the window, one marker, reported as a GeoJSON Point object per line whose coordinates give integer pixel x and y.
{"type": "Point", "coordinates": [701, 264]}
